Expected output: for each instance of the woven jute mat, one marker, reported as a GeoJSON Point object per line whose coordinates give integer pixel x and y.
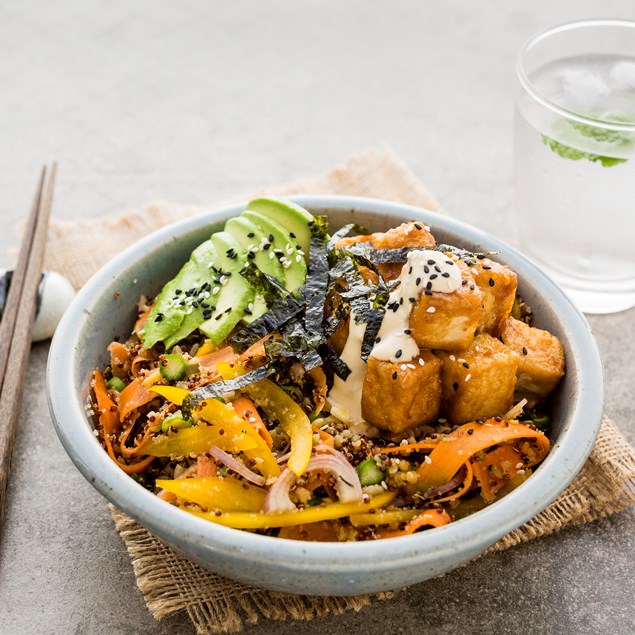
{"type": "Point", "coordinates": [170, 583]}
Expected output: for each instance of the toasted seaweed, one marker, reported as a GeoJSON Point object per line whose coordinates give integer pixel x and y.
{"type": "Point", "coordinates": [317, 280]}
{"type": "Point", "coordinates": [216, 389]}
{"type": "Point", "coordinates": [335, 362]}
{"type": "Point", "coordinates": [345, 231]}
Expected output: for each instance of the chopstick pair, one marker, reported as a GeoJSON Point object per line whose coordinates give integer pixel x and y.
{"type": "Point", "coordinates": [17, 320]}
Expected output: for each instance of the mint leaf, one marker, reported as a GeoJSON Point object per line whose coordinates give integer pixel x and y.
{"type": "Point", "coordinates": [566, 152]}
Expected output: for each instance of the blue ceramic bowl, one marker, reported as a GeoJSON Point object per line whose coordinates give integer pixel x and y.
{"type": "Point", "coordinates": [99, 313]}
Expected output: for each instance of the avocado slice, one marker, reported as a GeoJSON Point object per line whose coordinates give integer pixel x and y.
{"type": "Point", "coordinates": [284, 248]}
{"type": "Point", "coordinates": [174, 315]}
{"type": "Point", "coordinates": [288, 215]}
{"type": "Point", "coordinates": [232, 295]}
{"type": "Point", "coordinates": [250, 236]}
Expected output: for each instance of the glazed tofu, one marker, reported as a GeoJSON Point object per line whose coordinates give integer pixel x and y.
{"type": "Point", "coordinates": [540, 358]}
{"type": "Point", "coordinates": [479, 381]}
{"type": "Point", "coordinates": [498, 284]}
{"type": "Point", "coordinates": [448, 321]}
{"type": "Point", "coordinates": [396, 397]}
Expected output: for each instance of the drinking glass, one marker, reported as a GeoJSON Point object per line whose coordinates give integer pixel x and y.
{"type": "Point", "coordinates": [574, 159]}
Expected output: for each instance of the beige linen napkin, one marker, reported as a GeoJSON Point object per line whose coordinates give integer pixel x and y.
{"type": "Point", "coordinates": [170, 583]}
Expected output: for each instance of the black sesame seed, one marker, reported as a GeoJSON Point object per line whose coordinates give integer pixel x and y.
{"type": "Point", "coordinates": [412, 300]}
{"type": "Point", "coordinates": [491, 282]}
{"type": "Point", "coordinates": [434, 276]}
{"type": "Point", "coordinates": [410, 271]}
{"type": "Point", "coordinates": [418, 226]}
{"type": "Point", "coordinates": [205, 305]}
{"type": "Point", "coordinates": [407, 331]}
{"type": "Point", "coordinates": [292, 234]}
{"type": "Point", "coordinates": [266, 246]}
{"type": "Point", "coordinates": [524, 351]}
{"type": "Point", "coordinates": [445, 275]}
{"type": "Point", "coordinates": [251, 255]}
{"type": "Point", "coordinates": [158, 318]}
{"type": "Point", "coordinates": [418, 281]}
{"type": "Point", "coordinates": [398, 353]}
{"type": "Point", "coordinates": [470, 431]}
{"type": "Point", "coordinates": [178, 292]}
{"type": "Point", "coordinates": [472, 287]}
{"type": "Point", "coordinates": [228, 309]}
{"type": "Point", "coordinates": [431, 262]}
{"type": "Point", "coordinates": [248, 312]}
{"type": "Point", "coordinates": [464, 282]}
{"type": "Point", "coordinates": [426, 269]}
{"type": "Point", "coordinates": [195, 305]}
{"type": "Point", "coordinates": [428, 285]}
{"type": "Point", "coordinates": [377, 340]}
{"type": "Point", "coordinates": [436, 268]}
{"type": "Point", "coordinates": [480, 256]}
{"type": "Point", "coordinates": [219, 316]}
{"type": "Point", "coordinates": [270, 238]}
{"type": "Point", "coordinates": [486, 267]}
{"type": "Point", "coordinates": [394, 375]}
{"type": "Point", "coordinates": [466, 365]}
{"type": "Point", "coordinates": [455, 386]}
{"type": "Point", "coordinates": [449, 262]}
{"type": "Point", "coordinates": [428, 292]}
{"type": "Point", "coordinates": [250, 235]}
{"type": "Point", "coordinates": [400, 301]}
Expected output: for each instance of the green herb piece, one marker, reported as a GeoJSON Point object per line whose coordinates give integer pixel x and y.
{"type": "Point", "coordinates": [369, 473]}
{"type": "Point", "coordinates": [116, 384]}
{"type": "Point", "coordinates": [173, 367]}
{"type": "Point", "coordinates": [541, 422]}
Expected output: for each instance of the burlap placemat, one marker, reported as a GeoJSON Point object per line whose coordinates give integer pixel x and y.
{"type": "Point", "coordinates": [170, 583]}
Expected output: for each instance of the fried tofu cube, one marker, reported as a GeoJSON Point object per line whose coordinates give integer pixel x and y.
{"type": "Point", "coordinates": [540, 358]}
{"type": "Point", "coordinates": [448, 321]}
{"type": "Point", "coordinates": [413, 234]}
{"type": "Point", "coordinates": [396, 397]}
{"type": "Point", "coordinates": [479, 381]}
{"type": "Point", "coordinates": [498, 284]}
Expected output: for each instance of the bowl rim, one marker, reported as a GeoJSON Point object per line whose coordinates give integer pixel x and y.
{"type": "Point", "coordinates": [562, 464]}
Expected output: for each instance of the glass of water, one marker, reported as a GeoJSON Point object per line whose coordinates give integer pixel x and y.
{"type": "Point", "coordinates": [574, 160]}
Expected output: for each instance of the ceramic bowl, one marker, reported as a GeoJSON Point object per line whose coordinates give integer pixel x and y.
{"type": "Point", "coordinates": [106, 306]}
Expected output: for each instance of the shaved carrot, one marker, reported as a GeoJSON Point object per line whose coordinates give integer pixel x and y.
{"type": "Point", "coordinates": [467, 484]}
{"type": "Point", "coordinates": [246, 409]}
{"type": "Point", "coordinates": [459, 446]}
{"type": "Point", "coordinates": [495, 469]}
{"type": "Point", "coordinates": [133, 396]}
{"type": "Point", "coordinates": [326, 438]}
{"type": "Point", "coordinates": [430, 517]}
{"type": "Point", "coordinates": [206, 466]}
{"type": "Point", "coordinates": [403, 449]}
{"type": "Point", "coordinates": [141, 321]}
{"type": "Point", "coordinates": [209, 360]}
{"type": "Point", "coordinates": [119, 359]}
{"type": "Point", "coordinates": [110, 422]}
{"type": "Point", "coordinates": [255, 355]}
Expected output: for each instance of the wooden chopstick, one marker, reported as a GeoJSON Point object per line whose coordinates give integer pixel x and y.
{"type": "Point", "coordinates": [17, 321]}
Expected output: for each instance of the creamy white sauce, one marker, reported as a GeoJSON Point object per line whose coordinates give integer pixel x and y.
{"type": "Point", "coordinates": [424, 270]}
{"type": "Point", "coordinates": [345, 397]}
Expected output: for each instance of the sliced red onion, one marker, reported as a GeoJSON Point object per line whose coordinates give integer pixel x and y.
{"type": "Point", "coordinates": [455, 482]}
{"type": "Point", "coordinates": [348, 487]}
{"type": "Point", "coordinates": [237, 466]}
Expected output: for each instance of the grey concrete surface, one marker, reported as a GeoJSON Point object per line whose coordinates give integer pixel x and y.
{"type": "Point", "coordinates": [196, 101]}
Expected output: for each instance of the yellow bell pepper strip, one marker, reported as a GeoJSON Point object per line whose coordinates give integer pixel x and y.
{"type": "Point", "coordinates": [217, 492]}
{"type": "Point", "coordinates": [175, 395]}
{"type": "Point", "coordinates": [244, 520]}
{"type": "Point", "coordinates": [384, 518]}
{"type": "Point", "coordinates": [470, 439]}
{"type": "Point", "coordinates": [224, 415]}
{"type": "Point", "coordinates": [199, 439]}
{"type": "Point", "coordinates": [276, 403]}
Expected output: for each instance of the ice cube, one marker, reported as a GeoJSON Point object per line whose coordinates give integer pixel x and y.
{"type": "Point", "coordinates": [622, 75]}
{"type": "Point", "coordinates": [582, 87]}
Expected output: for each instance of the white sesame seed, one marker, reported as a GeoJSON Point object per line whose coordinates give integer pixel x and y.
{"type": "Point", "coordinates": [452, 358]}
{"type": "Point", "coordinates": [460, 452]}
{"type": "Point", "coordinates": [298, 258]}
{"type": "Point", "coordinates": [411, 366]}
{"type": "Point", "coordinates": [215, 289]}
{"type": "Point", "coordinates": [468, 377]}
{"type": "Point", "coordinates": [430, 309]}
{"type": "Point", "coordinates": [427, 459]}
{"type": "Point", "coordinates": [460, 360]}
{"type": "Point", "coordinates": [474, 270]}
{"type": "Point", "coordinates": [271, 255]}
{"type": "Point", "coordinates": [421, 361]}
{"type": "Point", "coordinates": [403, 367]}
